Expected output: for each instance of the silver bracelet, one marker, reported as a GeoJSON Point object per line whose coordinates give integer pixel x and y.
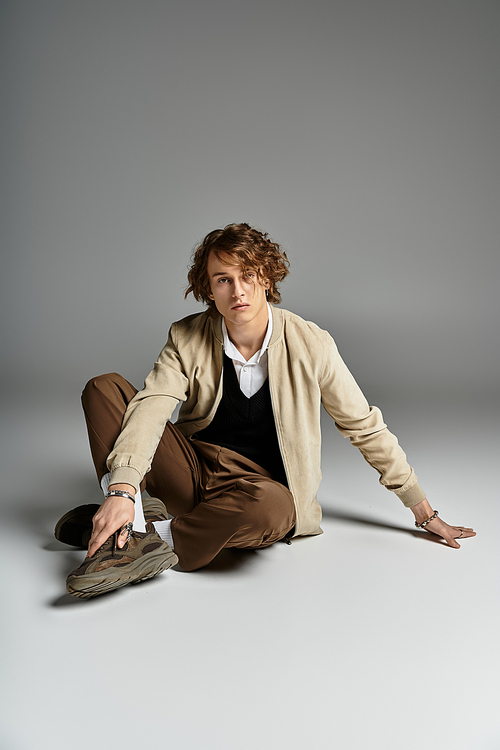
{"type": "Point", "coordinates": [120, 493]}
{"type": "Point", "coordinates": [424, 523]}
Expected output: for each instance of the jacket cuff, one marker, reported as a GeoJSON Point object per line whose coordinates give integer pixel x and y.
{"type": "Point", "coordinates": [126, 475]}
{"type": "Point", "coordinates": [411, 496]}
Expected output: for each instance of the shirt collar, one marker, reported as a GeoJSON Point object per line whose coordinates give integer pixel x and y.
{"type": "Point", "coordinates": [233, 353]}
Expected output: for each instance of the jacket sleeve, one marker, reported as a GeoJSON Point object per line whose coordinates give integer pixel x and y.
{"type": "Point", "coordinates": [147, 415]}
{"type": "Point", "coordinates": [364, 426]}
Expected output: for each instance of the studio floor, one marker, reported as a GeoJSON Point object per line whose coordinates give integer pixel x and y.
{"type": "Point", "coordinates": [372, 635]}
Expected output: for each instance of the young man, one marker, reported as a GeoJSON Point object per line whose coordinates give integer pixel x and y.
{"type": "Point", "coordinates": [241, 466]}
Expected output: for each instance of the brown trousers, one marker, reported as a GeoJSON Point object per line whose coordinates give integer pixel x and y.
{"type": "Point", "coordinates": [218, 498]}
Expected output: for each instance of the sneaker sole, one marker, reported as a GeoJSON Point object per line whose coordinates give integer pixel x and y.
{"type": "Point", "coordinates": [100, 582]}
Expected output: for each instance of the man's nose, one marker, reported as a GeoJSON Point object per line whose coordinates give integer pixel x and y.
{"type": "Point", "coordinates": [238, 290]}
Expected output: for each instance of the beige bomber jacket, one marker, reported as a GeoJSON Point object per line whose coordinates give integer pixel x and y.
{"type": "Point", "coordinates": [305, 372]}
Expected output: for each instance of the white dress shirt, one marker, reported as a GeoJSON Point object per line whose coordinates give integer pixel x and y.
{"type": "Point", "coordinates": [251, 373]}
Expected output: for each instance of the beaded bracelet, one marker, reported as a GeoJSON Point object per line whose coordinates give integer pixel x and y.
{"type": "Point", "coordinates": [424, 523]}
{"type": "Point", "coordinates": [120, 493]}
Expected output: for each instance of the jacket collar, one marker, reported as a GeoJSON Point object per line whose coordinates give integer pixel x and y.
{"type": "Point", "coordinates": [277, 325]}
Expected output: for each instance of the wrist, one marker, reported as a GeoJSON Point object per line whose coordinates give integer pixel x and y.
{"type": "Point", "coordinates": [122, 486]}
{"type": "Point", "coordinates": [422, 511]}
{"type": "Point", "coordinates": [126, 491]}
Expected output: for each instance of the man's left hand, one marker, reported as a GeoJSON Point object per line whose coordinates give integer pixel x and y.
{"type": "Point", "coordinates": [451, 534]}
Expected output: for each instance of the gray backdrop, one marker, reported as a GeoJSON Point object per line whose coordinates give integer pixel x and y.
{"type": "Point", "coordinates": [361, 134]}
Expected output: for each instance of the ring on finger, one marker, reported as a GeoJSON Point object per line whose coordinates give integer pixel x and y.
{"type": "Point", "coordinates": [461, 534]}
{"type": "Point", "coordinates": [127, 529]}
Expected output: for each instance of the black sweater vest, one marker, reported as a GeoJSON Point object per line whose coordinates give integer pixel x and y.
{"type": "Point", "coordinates": [246, 425]}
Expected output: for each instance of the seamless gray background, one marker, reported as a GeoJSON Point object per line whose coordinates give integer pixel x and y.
{"type": "Point", "coordinates": [363, 136]}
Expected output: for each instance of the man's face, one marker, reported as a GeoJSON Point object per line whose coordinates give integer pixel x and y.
{"type": "Point", "coordinates": [239, 297]}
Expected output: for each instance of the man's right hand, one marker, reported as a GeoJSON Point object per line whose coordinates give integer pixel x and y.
{"type": "Point", "coordinates": [114, 513]}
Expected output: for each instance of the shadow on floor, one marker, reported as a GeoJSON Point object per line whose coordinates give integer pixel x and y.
{"type": "Point", "coordinates": [227, 561]}
{"type": "Point", "coordinates": [65, 600]}
{"type": "Point", "coordinates": [337, 515]}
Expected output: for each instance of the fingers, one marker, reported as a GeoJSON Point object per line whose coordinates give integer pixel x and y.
{"type": "Point", "coordinates": [451, 534]}
{"type": "Point", "coordinates": [458, 533]}
{"type": "Point", "coordinates": [113, 514]}
{"type": "Point", "coordinates": [462, 532]}
{"type": "Point", "coordinates": [98, 539]}
{"type": "Point", "coordinates": [101, 532]}
{"type": "Point", "coordinates": [124, 535]}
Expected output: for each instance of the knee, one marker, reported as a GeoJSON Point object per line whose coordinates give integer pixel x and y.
{"type": "Point", "coordinates": [101, 385]}
{"type": "Point", "coordinates": [274, 504]}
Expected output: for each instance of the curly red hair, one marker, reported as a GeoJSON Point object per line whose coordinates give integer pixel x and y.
{"type": "Point", "coordinates": [239, 245]}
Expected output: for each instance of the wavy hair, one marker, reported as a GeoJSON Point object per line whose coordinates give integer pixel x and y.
{"type": "Point", "coordinates": [239, 245]}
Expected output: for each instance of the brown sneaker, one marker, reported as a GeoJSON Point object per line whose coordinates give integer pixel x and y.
{"type": "Point", "coordinates": [75, 527]}
{"type": "Point", "coordinates": [144, 556]}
